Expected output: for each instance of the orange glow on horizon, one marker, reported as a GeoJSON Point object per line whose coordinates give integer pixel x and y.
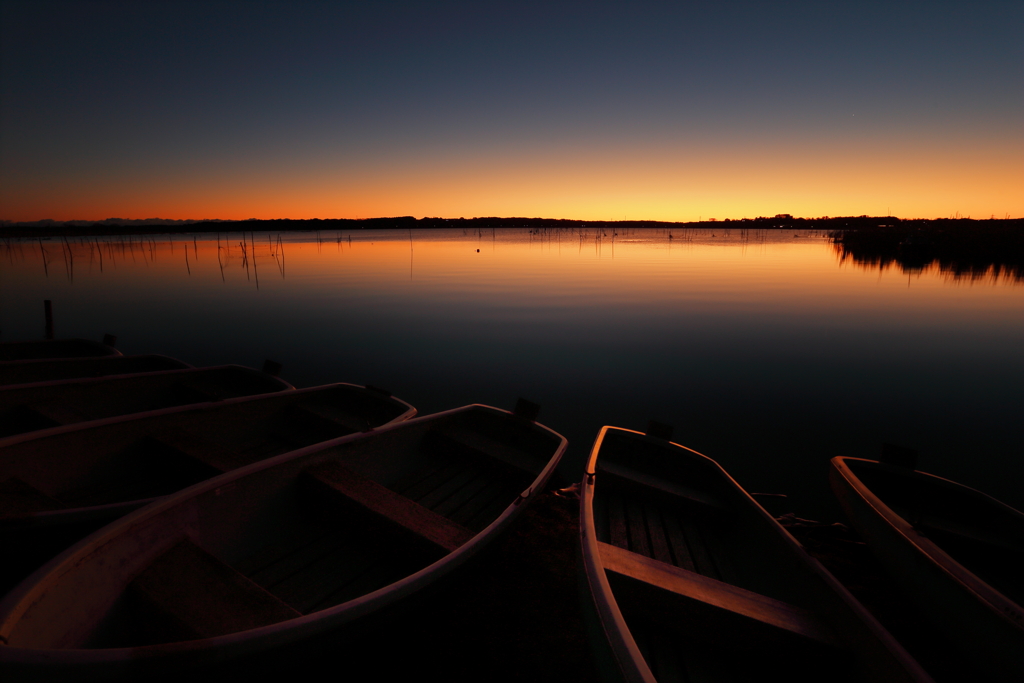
{"type": "Point", "coordinates": [671, 184]}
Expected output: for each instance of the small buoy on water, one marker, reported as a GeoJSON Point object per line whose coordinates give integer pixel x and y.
{"type": "Point", "coordinates": [478, 251]}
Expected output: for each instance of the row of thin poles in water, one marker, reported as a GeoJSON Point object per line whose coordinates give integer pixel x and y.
{"type": "Point", "coordinates": [106, 251]}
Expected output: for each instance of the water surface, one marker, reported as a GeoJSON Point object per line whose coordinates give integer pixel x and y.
{"type": "Point", "coordinates": [764, 349]}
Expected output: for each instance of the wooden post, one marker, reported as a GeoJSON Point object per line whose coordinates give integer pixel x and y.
{"type": "Point", "coordinates": [48, 311]}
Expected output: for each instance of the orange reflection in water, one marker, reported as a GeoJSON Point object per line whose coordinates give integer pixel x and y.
{"type": "Point", "coordinates": [771, 270]}
{"type": "Point", "coordinates": [760, 341]}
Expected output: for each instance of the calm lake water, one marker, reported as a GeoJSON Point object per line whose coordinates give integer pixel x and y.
{"type": "Point", "coordinates": [764, 350]}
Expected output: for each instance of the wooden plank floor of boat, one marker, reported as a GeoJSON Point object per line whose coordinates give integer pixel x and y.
{"type": "Point", "coordinates": [322, 565]}
{"type": "Point", "coordinates": [684, 536]}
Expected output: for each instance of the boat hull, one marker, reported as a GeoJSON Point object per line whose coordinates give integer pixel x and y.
{"type": "Point", "coordinates": [52, 369]}
{"type": "Point", "coordinates": [43, 405]}
{"type": "Point", "coordinates": [182, 445]}
{"type": "Point", "coordinates": [987, 627]}
{"type": "Point", "coordinates": [690, 579]}
{"type": "Point", "coordinates": [68, 602]}
{"type": "Point", "coordinates": [13, 352]}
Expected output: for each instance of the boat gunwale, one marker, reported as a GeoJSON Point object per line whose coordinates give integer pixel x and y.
{"type": "Point", "coordinates": [68, 341]}
{"type": "Point", "coordinates": [98, 662]}
{"type": "Point", "coordinates": [968, 580]}
{"type": "Point", "coordinates": [595, 573]}
{"type": "Point", "coordinates": [79, 359]}
{"type": "Point", "coordinates": [410, 411]}
{"type": "Point", "coordinates": [28, 362]}
{"type": "Point", "coordinates": [627, 655]}
{"type": "Point", "coordinates": [85, 513]}
{"type": "Point", "coordinates": [285, 386]}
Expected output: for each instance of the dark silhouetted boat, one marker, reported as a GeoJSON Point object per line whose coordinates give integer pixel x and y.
{"type": "Point", "coordinates": [956, 551]}
{"type": "Point", "coordinates": [41, 405]}
{"type": "Point", "coordinates": [279, 553]}
{"type": "Point", "coordinates": [50, 369]}
{"type": "Point", "coordinates": [54, 348]}
{"type": "Point", "coordinates": [691, 580]}
{"type": "Point", "coordinates": [57, 485]}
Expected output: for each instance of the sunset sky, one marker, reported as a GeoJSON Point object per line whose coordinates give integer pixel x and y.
{"type": "Point", "coordinates": [665, 111]}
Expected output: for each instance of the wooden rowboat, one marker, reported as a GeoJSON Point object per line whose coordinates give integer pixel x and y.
{"type": "Point", "coordinates": [278, 553]}
{"type": "Point", "coordinates": [60, 484]}
{"type": "Point", "coordinates": [50, 369]}
{"type": "Point", "coordinates": [28, 407]}
{"type": "Point", "coordinates": [957, 552]}
{"type": "Point", "coordinates": [689, 579]}
{"type": "Point", "coordinates": [54, 348]}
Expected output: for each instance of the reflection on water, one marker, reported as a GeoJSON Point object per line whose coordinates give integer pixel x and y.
{"type": "Point", "coordinates": [765, 349]}
{"type": "Point", "coordinates": [915, 260]}
{"type": "Point", "coordinates": [963, 251]}
{"type": "Point", "coordinates": [61, 253]}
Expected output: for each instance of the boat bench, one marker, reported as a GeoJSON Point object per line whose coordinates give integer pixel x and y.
{"type": "Point", "coordinates": [332, 485]}
{"type": "Point", "coordinates": [29, 418]}
{"type": "Point", "coordinates": [147, 468]}
{"type": "Point", "coordinates": [928, 525]}
{"type": "Point", "coordinates": [639, 524]}
{"type": "Point", "coordinates": [480, 447]}
{"type": "Point", "coordinates": [302, 426]}
{"type": "Point", "coordinates": [712, 609]}
{"type": "Point", "coordinates": [344, 419]}
{"type": "Point", "coordinates": [186, 393]}
{"type": "Point", "coordinates": [192, 445]}
{"type": "Point", "coordinates": [629, 478]}
{"type": "Point", "coordinates": [19, 498]}
{"type": "Point", "coordinates": [58, 412]}
{"type": "Point", "coordinates": [187, 593]}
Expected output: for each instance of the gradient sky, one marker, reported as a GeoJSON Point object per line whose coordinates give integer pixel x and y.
{"type": "Point", "coordinates": [666, 111]}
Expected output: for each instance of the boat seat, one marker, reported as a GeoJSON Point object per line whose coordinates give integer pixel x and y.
{"type": "Point", "coordinates": [713, 609]}
{"type": "Point", "coordinates": [338, 416]}
{"type": "Point", "coordinates": [480, 447]}
{"type": "Point", "coordinates": [187, 593]}
{"type": "Point", "coordinates": [303, 426]}
{"type": "Point", "coordinates": [145, 469]}
{"type": "Point", "coordinates": [21, 419]}
{"type": "Point", "coordinates": [195, 446]}
{"type": "Point", "coordinates": [184, 393]}
{"type": "Point", "coordinates": [19, 498]}
{"type": "Point", "coordinates": [58, 412]}
{"type": "Point", "coordinates": [672, 489]}
{"type": "Point", "coordinates": [928, 525]}
{"type": "Point", "coordinates": [331, 483]}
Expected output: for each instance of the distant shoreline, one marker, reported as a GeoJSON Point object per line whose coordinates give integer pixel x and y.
{"type": "Point", "coordinates": [875, 225]}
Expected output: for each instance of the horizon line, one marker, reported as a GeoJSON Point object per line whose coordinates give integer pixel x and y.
{"type": "Point", "coordinates": [46, 222]}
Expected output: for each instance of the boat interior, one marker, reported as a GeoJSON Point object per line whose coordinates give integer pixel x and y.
{"type": "Point", "coordinates": [53, 348]}
{"type": "Point", "coordinates": [708, 592]}
{"type": "Point", "coordinates": [31, 407]}
{"type": "Point", "coordinates": [304, 535]}
{"type": "Point", "coordinates": [978, 532]}
{"type": "Point", "coordinates": [52, 369]}
{"type": "Point", "coordinates": [140, 458]}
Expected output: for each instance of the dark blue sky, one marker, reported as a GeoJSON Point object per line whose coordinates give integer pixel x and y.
{"type": "Point", "coordinates": [676, 109]}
